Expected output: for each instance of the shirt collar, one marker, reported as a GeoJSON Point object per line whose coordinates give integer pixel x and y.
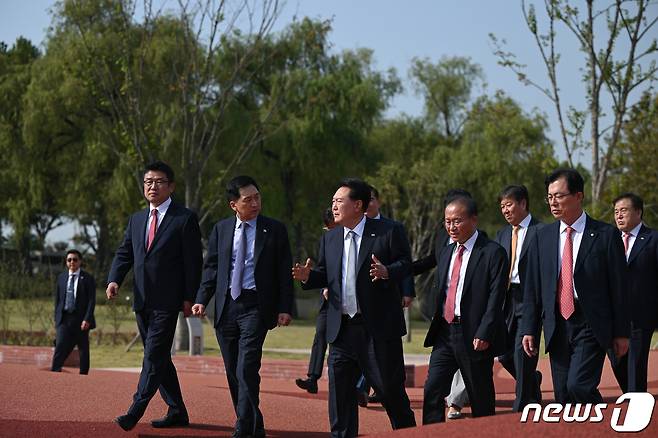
{"type": "Point", "coordinates": [76, 273]}
{"type": "Point", "coordinates": [358, 230]}
{"type": "Point", "coordinates": [578, 225]}
{"type": "Point", "coordinates": [162, 208]}
{"type": "Point", "coordinates": [470, 243]}
{"type": "Point", "coordinates": [251, 222]}
{"type": "Point", "coordinates": [525, 223]}
{"type": "Point", "coordinates": [635, 231]}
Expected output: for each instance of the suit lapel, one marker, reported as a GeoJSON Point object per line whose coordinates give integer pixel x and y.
{"type": "Point", "coordinates": [445, 255]}
{"type": "Point", "coordinates": [553, 250]}
{"type": "Point", "coordinates": [506, 241]}
{"type": "Point", "coordinates": [334, 252]}
{"type": "Point", "coordinates": [140, 223]}
{"type": "Point", "coordinates": [589, 236]}
{"type": "Point", "coordinates": [261, 235]}
{"type": "Point", "coordinates": [225, 244]}
{"type": "Point", "coordinates": [529, 234]}
{"type": "Point", "coordinates": [367, 240]}
{"type": "Point", "coordinates": [643, 237]}
{"type": "Point", "coordinates": [472, 263]}
{"type": "Point", "coordinates": [63, 283]}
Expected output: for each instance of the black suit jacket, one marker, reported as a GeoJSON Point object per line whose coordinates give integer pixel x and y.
{"type": "Point", "coordinates": [85, 298]}
{"type": "Point", "coordinates": [272, 264]}
{"type": "Point", "coordinates": [485, 284]}
{"type": "Point", "coordinates": [504, 239]}
{"type": "Point", "coordinates": [169, 272]}
{"type": "Point", "coordinates": [643, 279]}
{"type": "Point", "coordinates": [600, 275]}
{"type": "Point", "coordinates": [379, 301]}
{"type": "Point", "coordinates": [406, 287]}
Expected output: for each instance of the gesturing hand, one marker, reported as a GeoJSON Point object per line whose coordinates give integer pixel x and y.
{"type": "Point", "coordinates": [112, 290]}
{"type": "Point", "coordinates": [300, 272]}
{"type": "Point", "coordinates": [377, 270]}
{"type": "Point", "coordinates": [198, 310]}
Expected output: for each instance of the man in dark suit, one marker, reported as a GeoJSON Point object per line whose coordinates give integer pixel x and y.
{"type": "Point", "coordinates": [515, 238]}
{"type": "Point", "coordinates": [247, 269]}
{"type": "Point", "coordinates": [360, 263]}
{"type": "Point", "coordinates": [641, 248]}
{"type": "Point", "coordinates": [467, 330]}
{"type": "Point", "coordinates": [75, 299]}
{"type": "Point", "coordinates": [319, 348]}
{"type": "Point", "coordinates": [162, 245]}
{"type": "Point", "coordinates": [575, 282]}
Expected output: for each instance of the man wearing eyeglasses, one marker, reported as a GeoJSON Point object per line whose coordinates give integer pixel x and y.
{"type": "Point", "coordinates": [576, 283]}
{"type": "Point", "coordinates": [75, 299]}
{"type": "Point", "coordinates": [162, 244]}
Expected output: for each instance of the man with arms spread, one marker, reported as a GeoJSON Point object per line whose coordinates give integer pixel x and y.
{"type": "Point", "coordinates": [247, 269]}
{"type": "Point", "coordinates": [162, 245]}
{"type": "Point", "coordinates": [576, 282]}
{"type": "Point", "coordinates": [360, 262]}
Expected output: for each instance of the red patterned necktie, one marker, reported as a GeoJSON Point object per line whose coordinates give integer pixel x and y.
{"type": "Point", "coordinates": [152, 228]}
{"type": "Point", "coordinates": [565, 282]}
{"type": "Point", "coordinates": [449, 309]}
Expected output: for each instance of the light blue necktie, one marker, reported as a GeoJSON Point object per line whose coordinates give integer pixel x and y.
{"type": "Point", "coordinates": [69, 304]}
{"type": "Point", "coordinates": [238, 265]}
{"type": "Point", "coordinates": [350, 306]}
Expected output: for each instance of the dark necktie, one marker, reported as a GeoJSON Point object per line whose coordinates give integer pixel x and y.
{"type": "Point", "coordinates": [152, 228]}
{"type": "Point", "coordinates": [449, 308]}
{"type": "Point", "coordinates": [69, 303]}
{"type": "Point", "coordinates": [238, 265]}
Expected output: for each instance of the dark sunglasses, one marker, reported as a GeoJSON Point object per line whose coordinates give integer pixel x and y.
{"type": "Point", "coordinates": [72, 260]}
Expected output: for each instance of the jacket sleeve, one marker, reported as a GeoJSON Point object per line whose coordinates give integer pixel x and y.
{"type": "Point", "coordinates": [123, 257]}
{"type": "Point", "coordinates": [192, 256]}
{"type": "Point", "coordinates": [317, 278]}
{"type": "Point", "coordinates": [209, 275]}
{"type": "Point", "coordinates": [284, 265]}
{"type": "Point", "coordinates": [56, 298]}
{"type": "Point", "coordinates": [532, 299]}
{"type": "Point", "coordinates": [400, 267]}
{"type": "Point", "coordinates": [91, 299]}
{"type": "Point", "coordinates": [497, 273]}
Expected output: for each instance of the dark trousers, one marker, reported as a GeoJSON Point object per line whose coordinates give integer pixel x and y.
{"type": "Point", "coordinates": [69, 335]}
{"type": "Point", "coordinates": [382, 363]}
{"type": "Point", "coordinates": [449, 355]}
{"type": "Point", "coordinates": [319, 348]}
{"type": "Point", "coordinates": [515, 361]}
{"type": "Point", "coordinates": [157, 328]}
{"type": "Point", "coordinates": [631, 369]}
{"type": "Point", "coordinates": [576, 360]}
{"type": "Point", "coordinates": [241, 333]}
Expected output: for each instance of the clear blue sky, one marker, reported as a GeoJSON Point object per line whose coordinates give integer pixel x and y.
{"type": "Point", "coordinates": [397, 31]}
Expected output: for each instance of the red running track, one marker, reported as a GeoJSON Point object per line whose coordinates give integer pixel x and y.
{"type": "Point", "coordinates": [37, 403]}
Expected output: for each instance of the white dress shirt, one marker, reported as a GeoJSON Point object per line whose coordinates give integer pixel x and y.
{"type": "Point", "coordinates": [523, 231]}
{"type": "Point", "coordinates": [162, 210]}
{"type": "Point", "coordinates": [468, 249]}
{"type": "Point", "coordinates": [358, 231]}
{"type": "Point", "coordinates": [576, 237]}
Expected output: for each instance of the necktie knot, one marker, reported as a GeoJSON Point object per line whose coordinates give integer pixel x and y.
{"type": "Point", "coordinates": [154, 212]}
{"type": "Point", "coordinates": [460, 249]}
{"type": "Point", "coordinates": [569, 231]}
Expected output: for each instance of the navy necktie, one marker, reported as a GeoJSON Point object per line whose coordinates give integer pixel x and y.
{"type": "Point", "coordinates": [69, 304]}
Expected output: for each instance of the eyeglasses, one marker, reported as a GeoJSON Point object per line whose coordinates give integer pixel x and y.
{"type": "Point", "coordinates": [157, 182]}
{"type": "Point", "coordinates": [72, 260]}
{"type": "Point", "coordinates": [456, 223]}
{"type": "Point", "coordinates": [556, 197]}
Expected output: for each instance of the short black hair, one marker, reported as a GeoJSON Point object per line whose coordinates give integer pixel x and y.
{"type": "Point", "coordinates": [73, 251]}
{"type": "Point", "coordinates": [518, 193]}
{"type": "Point", "coordinates": [359, 191]}
{"type": "Point", "coordinates": [374, 192]}
{"type": "Point", "coordinates": [466, 201]}
{"type": "Point", "coordinates": [233, 187]}
{"type": "Point", "coordinates": [160, 166]}
{"type": "Point", "coordinates": [575, 182]}
{"type": "Point", "coordinates": [636, 201]}
{"type": "Point", "coordinates": [455, 193]}
{"type": "Point", "coordinates": [328, 217]}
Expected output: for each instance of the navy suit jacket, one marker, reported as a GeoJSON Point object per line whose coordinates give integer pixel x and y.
{"type": "Point", "coordinates": [485, 284]}
{"type": "Point", "coordinates": [167, 274]}
{"type": "Point", "coordinates": [85, 298]}
{"type": "Point", "coordinates": [272, 264]}
{"type": "Point", "coordinates": [643, 278]}
{"type": "Point", "coordinates": [406, 287]}
{"type": "Point", "coordinates": [600, 275]}
{"type": "Point", "coordinates": [504, 239]}
{"type": "Point", "coordinates": [379, 301]}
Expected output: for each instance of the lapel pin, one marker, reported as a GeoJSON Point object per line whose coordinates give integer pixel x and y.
{"type": "Point", "coordinates": [372, 235]}
{"type": "Point", "coordinates": [642, 238]}
{"type": "Point", "coordinates": [592, 234]}
{"type": "Point", "coordinates": [264, 230]}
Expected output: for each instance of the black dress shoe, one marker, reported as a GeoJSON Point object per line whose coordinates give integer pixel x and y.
{"type": "Point", "coordinates": [539, 378]}
{"type": "Point", "coordinates": [374, 398]}
{"type": "Point", "coordinates": [310, 385]}
{"type": "Point", "coordinates": [126, 422]}
{"type": "Point", "coordinates": [362, 398]}
{"type": "Point", "coordinates": [174, 420]}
